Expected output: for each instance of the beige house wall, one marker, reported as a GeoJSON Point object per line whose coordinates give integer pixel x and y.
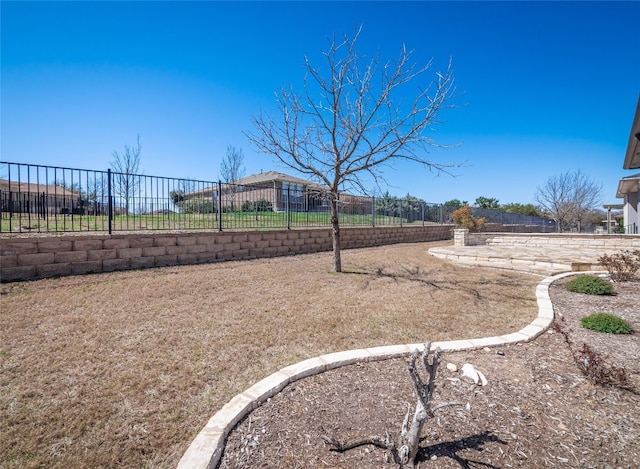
{"type": "Point", "coordinates": [274, 194]}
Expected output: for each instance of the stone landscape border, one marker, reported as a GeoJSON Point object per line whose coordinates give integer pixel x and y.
{"type": "Point", "coordinates": [206, 449]}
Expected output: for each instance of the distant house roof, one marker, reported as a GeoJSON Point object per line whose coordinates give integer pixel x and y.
{"type": "Point", "coordinates": [632, 157]}
{"type": "Point", "coordinates": [266, 179]}
{"type": "Point", "coordinates": [50, 190]}
{"type": "Point", "coordinates": [270, 176]}
{"type": "Point", "coordinates": [628, 185]}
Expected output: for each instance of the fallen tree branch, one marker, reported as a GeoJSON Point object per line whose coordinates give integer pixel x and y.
{"type": "Point", "coordinates": [335, 445]}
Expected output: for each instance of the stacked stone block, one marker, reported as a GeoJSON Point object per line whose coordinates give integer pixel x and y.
{"type": "Point", "coordinates": [32, 256]}
{"type": "Point", "coordinates": [568, 240]}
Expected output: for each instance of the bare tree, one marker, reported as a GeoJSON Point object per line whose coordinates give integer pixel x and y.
{"type": "Point", "coordinates": [569, 198]}
{"type": "Point", "coordinates": [232, 166]}
{"type": "Point", "coordinates": [232, 169]}
{"type": "Point", "coordinates": [126, 167]}
{"type": "Point", "coordinates": [587, 196]}
{"type": "Point", "coordinates": [554, 199]}
{"type": "Point", "coordinates": [97, 193]}
{"type": "Point", "coordinates": [351, 121]}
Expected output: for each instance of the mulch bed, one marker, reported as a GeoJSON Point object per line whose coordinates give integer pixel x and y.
{"type": "Point", "coordinates": [538, 409]}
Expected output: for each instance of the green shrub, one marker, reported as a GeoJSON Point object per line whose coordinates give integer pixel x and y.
{"type": "Point", "coordinates": [590, 285]}
{"type": "Point", "coordinates": [196, 206]}
{"type": "Point", "coordinates": [261, 205]}
{"type": "Point", "coordinates": [603, 322]}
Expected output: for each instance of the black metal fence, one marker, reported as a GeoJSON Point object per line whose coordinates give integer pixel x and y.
{"type": "Point", "coordinates": [36, 198]}
{"type": "Point", "coordinates": [498, 216]}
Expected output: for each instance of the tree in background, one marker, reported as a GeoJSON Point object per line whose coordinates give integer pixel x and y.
{"type": "Point", "coordinates": [451, 206]}
{"type": "Point", "coordinates": [232, 165]}
{"type": "Point", "coordinates": [351, 120]}
{"type": "Point", "coordinates": [78, 200]}
{"type": "Point", "coordinates": [126, 169]}
{"type": "Point", "coordinates": [587, 196]}
{"type": "Point", "coordinates": [388, 205]}
{"type": "Point", "coordinates": [409, 207]}
{"type": "Point", "coordinates": [568, 198]}
{"type": "Point", "coordinates": [412, 208]}
{"type": "Point", "coordinates": [183, 187]}
{"type": "Point", "coordinates": [89, 193]}
{"type": "Point", "coordinates": [455, 204]}
{"type": "Point", "coordinates": [97, 193]}
{"type": "Point", "coordinates": [524, 209]}
{"type": "Point", "coordinates": [487, 202]}
{"type": "Point", "coordinates": [232, 169]}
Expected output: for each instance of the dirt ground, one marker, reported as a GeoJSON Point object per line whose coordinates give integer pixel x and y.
{"type": "Point", "coordinates": [538, 409]}
{"type": "Point", "coordinates": [124, 369]}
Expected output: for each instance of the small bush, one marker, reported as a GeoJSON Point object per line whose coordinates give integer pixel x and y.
{"type": "Point", "coordinates": [196, 206]}
{"type": "Point", "coordinates": [247, 206]}
{"type": "Point", "coordinates": [590, 285]}
{"type": "Point", "coordinates": [603, 322]}
{"type": "Point", "coordinates": [595, 367]}
{"type": "Point", "coordinates": [622, 266]}
{"type": "Point", "coordinates": [592, 364]}
{"type": "Point", "coordinates": [464, 219]}
{"type": "Point", "coordinates": [261, 205]}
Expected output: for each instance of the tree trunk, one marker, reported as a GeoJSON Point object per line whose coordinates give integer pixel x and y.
{"type": "Point", "coordinates": [406, 453]}
{"type": "Point", "coordinates": [410, 438]}
{"type": "Point", "coordinates": [335, 234]}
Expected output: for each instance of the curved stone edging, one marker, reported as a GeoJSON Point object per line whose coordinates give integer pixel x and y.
{"type": "Point", "coordinates": [207, 447]}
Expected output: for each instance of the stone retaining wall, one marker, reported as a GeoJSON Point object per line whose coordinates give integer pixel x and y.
{"type": "Point", "coordinates": [594, 241]}
{"type": "Point", "coordinates": [32, 257]}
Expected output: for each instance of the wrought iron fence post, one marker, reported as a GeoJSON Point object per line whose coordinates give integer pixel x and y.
{"type": "Point", "coordinates": [43, 205]}
{"type": "Point", "coordinates": [400, 208]}
{"type": "Point", "coordinates": [219, 205]}
{"type": "Point", "coordinates": [109, 201]}
{"type": "Point", "coordinates": [286, 207]}
{"type": "Point", "coordinates": [373, 211]}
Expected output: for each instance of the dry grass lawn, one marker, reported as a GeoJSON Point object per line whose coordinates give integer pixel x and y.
{"type": "Point", "coordinates": [123, 369]}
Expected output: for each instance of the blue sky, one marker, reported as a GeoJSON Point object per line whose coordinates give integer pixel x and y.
{"type": "Point", "coordinates": [545, 87]}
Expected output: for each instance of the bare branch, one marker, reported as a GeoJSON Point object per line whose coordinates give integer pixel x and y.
{"type": "Point", "coordinates": [126, 169]}
{"type": "Point", "coordinates": [445, 404]}
{"type": "Point", "coordinates": [569, 197]}
{"type": "Point", "coordinates": [232, 165]}
{"type": "Point", "coordinates": [350, 123]}
{"type": "Point", "coordinates": [337, 446]}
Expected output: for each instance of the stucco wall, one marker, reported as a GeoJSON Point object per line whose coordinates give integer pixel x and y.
{"type": "Point", "coordinates": [631, 213]}
{"type": "Point", "coordinates": [32, 257]}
